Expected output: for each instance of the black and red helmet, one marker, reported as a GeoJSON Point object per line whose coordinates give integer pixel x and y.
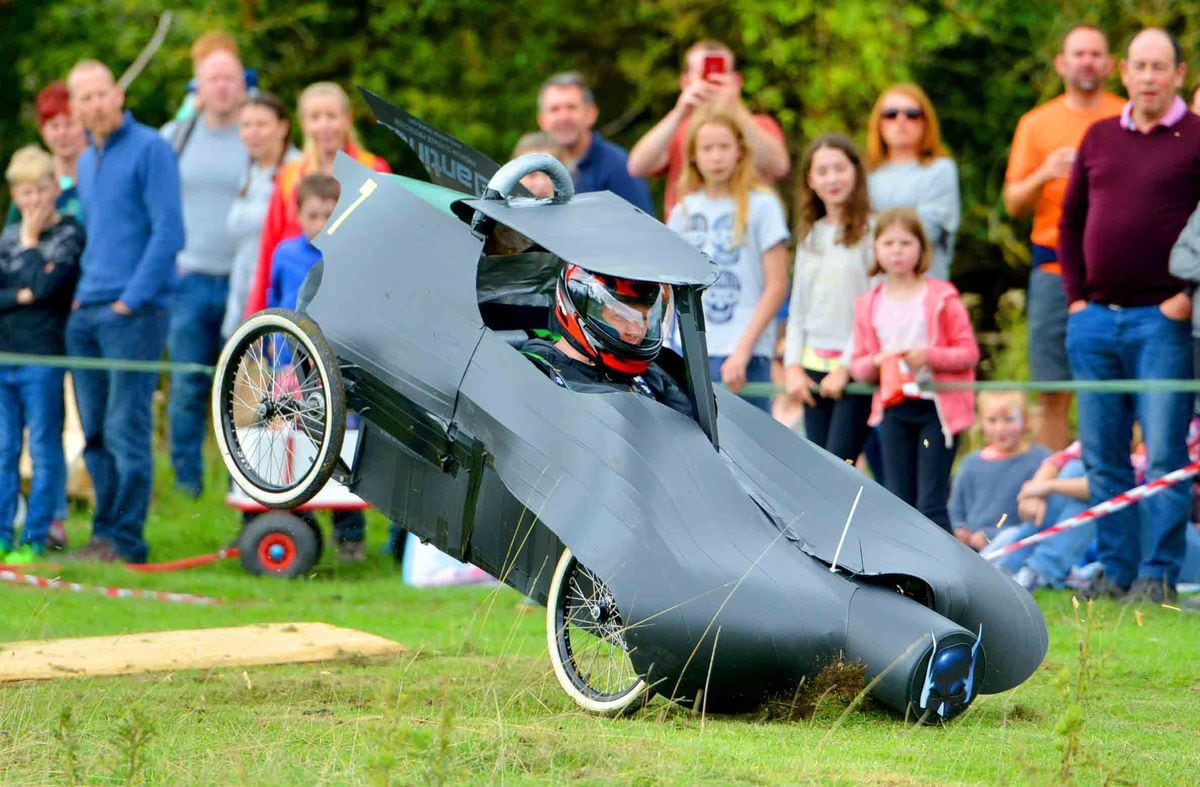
{"type": "Point", "coordinates": [615, 322]}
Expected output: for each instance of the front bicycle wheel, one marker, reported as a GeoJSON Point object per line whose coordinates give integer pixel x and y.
{"type": "Point", "coordinates": [279, 408]}
{"type": "Point", "coordinates": [586, 637]}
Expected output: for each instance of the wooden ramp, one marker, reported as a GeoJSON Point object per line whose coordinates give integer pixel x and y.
{"type": "Point", "coordinates": [267, 643]}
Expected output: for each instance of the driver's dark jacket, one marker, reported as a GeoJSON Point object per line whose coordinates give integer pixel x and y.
{"type": "Point", "coordinates": [579, 376]}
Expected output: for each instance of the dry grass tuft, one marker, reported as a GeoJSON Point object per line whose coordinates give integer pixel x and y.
{"type": "Point", "coordinates": [832, 689]}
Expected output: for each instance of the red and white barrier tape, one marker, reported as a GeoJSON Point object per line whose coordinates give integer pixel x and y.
{"type": "Point", "coordinates": [1116, 503]}
{"type": "Point", "coordinates": [16, 577]}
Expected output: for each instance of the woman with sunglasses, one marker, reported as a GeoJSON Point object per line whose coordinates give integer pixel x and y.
{"type": "Point", "coordinates": [909, 166]}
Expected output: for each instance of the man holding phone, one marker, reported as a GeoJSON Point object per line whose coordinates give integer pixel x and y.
{"type": "Point", "coordinates": [708, 78]}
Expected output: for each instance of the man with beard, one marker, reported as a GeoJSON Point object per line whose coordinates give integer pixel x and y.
{"type": "Point", "coordinates": [567, 111]}
{"type": "Point", "coordinates": [1042, 152]}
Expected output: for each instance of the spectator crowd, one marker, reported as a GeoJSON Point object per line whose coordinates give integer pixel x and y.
{"type": "Point", "coordinates": [124, 242]}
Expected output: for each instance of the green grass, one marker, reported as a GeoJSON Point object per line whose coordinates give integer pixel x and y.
{"type": "Point", "coordinates": [474, 700]}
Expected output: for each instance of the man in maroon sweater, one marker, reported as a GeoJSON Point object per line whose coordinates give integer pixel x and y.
{"type": "Point", "coordinates": [1135, 182]}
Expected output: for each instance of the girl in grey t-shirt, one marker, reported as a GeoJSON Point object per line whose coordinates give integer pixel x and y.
{"type": "Point", "coordinates": [740, 224]}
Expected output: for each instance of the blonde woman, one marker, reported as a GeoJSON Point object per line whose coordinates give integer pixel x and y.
{"type": "Point", "coordinates": [909, 167]}
{"type": "Point", "coordinates": [328, 127]}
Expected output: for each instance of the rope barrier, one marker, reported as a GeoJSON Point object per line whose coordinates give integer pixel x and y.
{"type": "Point", "coordinates": [45, 583]}
{"type": "Point", "coordinates": [749, 389]}
{"type": "Point", "coordinates": [111, 364]}
{"type": "Point", "coordinates": [1101, 509]}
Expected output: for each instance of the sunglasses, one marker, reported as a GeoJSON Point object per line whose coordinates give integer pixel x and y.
{"type": "Point", "coordinates": [912, 113]}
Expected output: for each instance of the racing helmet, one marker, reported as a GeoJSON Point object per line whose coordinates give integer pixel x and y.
{"type": "Point", "coordinates": [615, 322]}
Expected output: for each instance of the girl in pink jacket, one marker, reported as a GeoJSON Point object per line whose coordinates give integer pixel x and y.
{"type": "Point", "coordinates": [918, 324]}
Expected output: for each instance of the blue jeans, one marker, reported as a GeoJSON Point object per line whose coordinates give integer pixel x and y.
{"type": "Point", "coordinates": [757, 371]}
{"type": "Point", "coordinates": [197, 312]}
{"type": "Point", "coordinates": [31, 396]}
{"type": "Point", "coordinates": [115, 411]}
{"type": "Point", "coordinates": [1114, 343]}
{"type": "Point", "coordinates": [1054, 557]}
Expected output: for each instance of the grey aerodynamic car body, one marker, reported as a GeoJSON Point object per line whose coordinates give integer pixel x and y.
{"type": "Point", "coordinates": [722, 559]}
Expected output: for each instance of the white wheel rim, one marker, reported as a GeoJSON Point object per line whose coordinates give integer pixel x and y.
{"type": "Point", "coordinates": [597, 647]}
{"type": "Point", "coordinates": [277, 439]}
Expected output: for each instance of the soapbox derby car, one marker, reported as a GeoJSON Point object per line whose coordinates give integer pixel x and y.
{"type": "Point", "coordinates": [717, 561]}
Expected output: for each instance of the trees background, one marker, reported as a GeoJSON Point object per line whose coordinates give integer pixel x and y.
{"type": "Point", "coordinates": [472, 67]}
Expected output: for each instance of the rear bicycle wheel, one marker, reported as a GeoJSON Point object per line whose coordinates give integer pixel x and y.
{"type": "Point", "coordinates": [279, 408]}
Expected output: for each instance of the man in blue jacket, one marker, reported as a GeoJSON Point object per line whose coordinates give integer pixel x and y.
{"type": "Point", "coordinates": [129, 187]}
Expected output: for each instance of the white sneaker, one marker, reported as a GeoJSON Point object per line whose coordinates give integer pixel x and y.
{"type": "Point", "coordinates": [1029, 579]}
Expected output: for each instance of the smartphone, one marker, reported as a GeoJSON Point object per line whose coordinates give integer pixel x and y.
{"type": "Point", "coordinates": [714, 64]}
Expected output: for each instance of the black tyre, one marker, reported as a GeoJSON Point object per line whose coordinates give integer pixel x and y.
{"type": "Point", "coordinates": [279, 408]}
{"type": "Point", "coordinates": [310, 518]}
{"type": "Point", "coordinates": [278, 544]}
{"type": "Point", "coordinates": [586, 638]}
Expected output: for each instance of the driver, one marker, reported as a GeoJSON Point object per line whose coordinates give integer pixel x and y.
{"type": "Point", "coordinates": [609, 331]}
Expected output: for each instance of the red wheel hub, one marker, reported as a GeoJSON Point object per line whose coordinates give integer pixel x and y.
{"type": "Point", "coordinates": [277, 551]}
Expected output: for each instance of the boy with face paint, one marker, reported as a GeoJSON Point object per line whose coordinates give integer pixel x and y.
{"type": "Point", "coordinates": [984, 494]}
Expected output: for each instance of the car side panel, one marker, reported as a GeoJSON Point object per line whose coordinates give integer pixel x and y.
{"type": "Point", "coordinates": [397, 294]}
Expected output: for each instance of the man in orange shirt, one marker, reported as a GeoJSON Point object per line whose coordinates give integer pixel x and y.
{"type": "Point", "coordinates": [708, 78]}
{"type": "Point", "coordinates": [1043, 150]}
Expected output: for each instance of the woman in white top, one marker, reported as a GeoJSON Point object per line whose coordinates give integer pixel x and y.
{"type": "Point", "coordinates": [909, 166]}
{"type": "Point", "coordinates": [265, 128]}
{"type": "Point", "coordinates": [832, 260]}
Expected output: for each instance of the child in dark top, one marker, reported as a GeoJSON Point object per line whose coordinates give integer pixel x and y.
{"type": "Point", "coordinates": [316, 198]}
{"type": "Point", "coordinates": [39, 265]}
{"type": "Point", "coordinates": [985, 491]}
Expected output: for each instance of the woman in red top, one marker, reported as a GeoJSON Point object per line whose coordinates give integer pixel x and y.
{"type": "Point", "coordinates": [327, 127]}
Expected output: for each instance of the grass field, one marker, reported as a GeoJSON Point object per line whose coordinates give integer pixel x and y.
{"type": "Point", "coordinates": [474, 699]}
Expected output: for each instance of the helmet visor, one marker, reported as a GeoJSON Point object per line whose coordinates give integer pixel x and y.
{"type": "Point", "coordinates": [629, 314]}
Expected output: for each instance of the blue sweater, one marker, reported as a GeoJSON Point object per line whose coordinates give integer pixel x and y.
{"type": "Point", "coordinates": [131, 206]}
{"type": "Point", "coordinates": [290, 263]}
{"type": "Point", "coordinates": [605, 167]}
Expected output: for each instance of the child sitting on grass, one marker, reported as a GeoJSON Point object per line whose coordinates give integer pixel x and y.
{"type": "Point", "coordinates": [984, 494]}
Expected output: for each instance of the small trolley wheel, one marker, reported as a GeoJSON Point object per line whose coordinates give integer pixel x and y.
{"type": "Point", "coordinates": [278, 544]}
{"type": "Point", "coordinates": [586, 638]}
{"type": "Point", "coordinates": [279, 408]}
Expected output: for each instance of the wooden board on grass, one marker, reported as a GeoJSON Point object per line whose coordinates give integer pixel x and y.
{"type": "Point", "coordinates": [158, 651]}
